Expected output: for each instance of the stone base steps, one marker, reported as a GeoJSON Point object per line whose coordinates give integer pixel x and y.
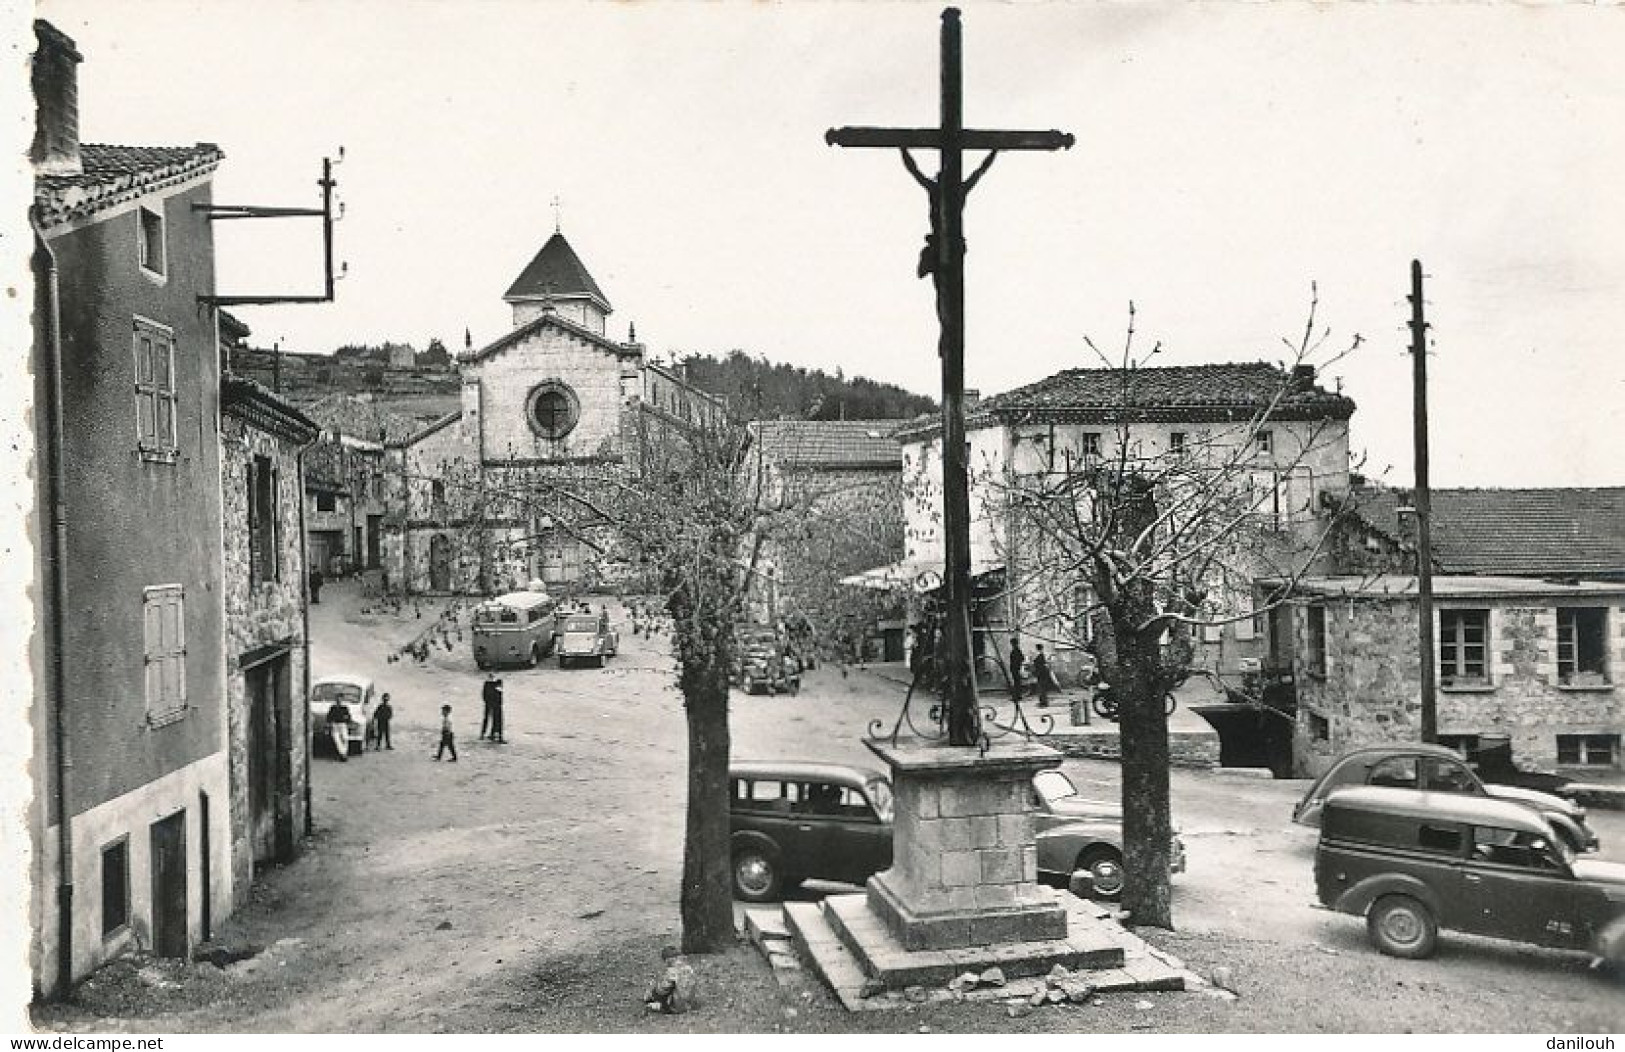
{"type": "Point", "coordinates": [868, 970]}
{"type": "Point", "coordinates": [1191, 749]}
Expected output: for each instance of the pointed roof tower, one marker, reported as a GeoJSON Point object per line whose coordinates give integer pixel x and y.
{"type": "Point", "coordinates": [557, 280]}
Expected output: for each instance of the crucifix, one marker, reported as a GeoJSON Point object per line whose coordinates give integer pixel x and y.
{"type": "Point", "coordinates": [944, 260]}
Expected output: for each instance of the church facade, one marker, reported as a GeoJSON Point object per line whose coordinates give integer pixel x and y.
{"type": "Point", "coordinates": [549, 410]}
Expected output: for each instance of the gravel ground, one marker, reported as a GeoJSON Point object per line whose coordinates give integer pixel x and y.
{"type": "Point", "coordinates": [532, 887]}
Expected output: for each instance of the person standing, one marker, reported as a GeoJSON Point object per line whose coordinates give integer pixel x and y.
{"type": "Point", "coordinates": [1041, 677]}
{"type": "Point", "coordinates": [496, 717]}
{"type": "Point", "coordinates": [380, 718]}
{"type": "Point", "coordinates": [491, 695]}
{"type": "Point", "coordinates": [338, 729]}
{"type": "Point", "coordinates": [448, 740]}
{"type": "Point", "coordinates": [1017, 661]}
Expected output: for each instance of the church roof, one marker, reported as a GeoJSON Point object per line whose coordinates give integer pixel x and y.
{"type": "Point", "coordinates": [540, 322]}
{"type": "Point", "coordinates": [557, 272]}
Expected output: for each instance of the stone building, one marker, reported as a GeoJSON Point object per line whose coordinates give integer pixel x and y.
{"type": "Point", "coordinates": [262, 439]}
{"type": "Point", "coordinates": [349, 483]}
{"type": "Point", "coordinates": [130, 819]}
{"type": "Point", "coordinates": [553, 398]}
{"type": "Point", "coordinates": [1282, 441]}
{"type": "Point", "coordinates": [1526, 669]}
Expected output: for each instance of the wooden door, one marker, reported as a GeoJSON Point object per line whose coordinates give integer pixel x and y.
{"type": "Point", "coordinates": [169, 927]}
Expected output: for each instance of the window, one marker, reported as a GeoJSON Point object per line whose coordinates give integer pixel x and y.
{"type": "Point", "coordinates": [1444, 839]}
{"type": "Point", "coordinates": [1091, 443]}
{"type": "Point", "coordinates": [115, 886]}
{"type": "Point", "coordinates": [1512, 847]}
{"type": "Point", "coordinates": [1264, 442]}
{"type": "Point", "coordinates": [155, 391]}
{"type": "Point", "coordinates": [164, 618]}
{"type": "Point", "coordinates": [264, 561]}
{"type": "Point", "coordinates": [1447, 776]}
{"type": "Point", "coordinates": [151, 242]}
{"type": "Point", "coordinates": [1315, 658]}
{"type": "Point", "coordinates": [1463, 637]}
{"type": "Point", "coordinates": [1587, 750]}
{"type": "Point", "coordinates": [437, 497]}
{"type": "Point", "coordinates": [1176, 442]}
{"type": "Point", "coordinates": [1582, 646]}
{"type": "Point", "coordinates": [325, 502]}
{"type": "Point", "coordinates": [553, 410]}
{"type": "Point", "coordinates": [1320, 729]}
{"type": "Point", "coordinates": [1398, 772]}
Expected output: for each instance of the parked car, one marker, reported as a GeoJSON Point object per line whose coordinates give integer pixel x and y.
{"type": "Point", "coordinates": [586, 637]}
{"type": "Point", "coordinates": [1412, 862]}
{"type": "Point", "coordinates": [747, 639]}
{"type": "Point", "coordinates": [358, 695]}
{"type": "Point", "coordinates": [815, 821]}
{"type": "Point", "coordinates": [1437, 769]}
{"type": "Point", "coordinates": [1083, 838]}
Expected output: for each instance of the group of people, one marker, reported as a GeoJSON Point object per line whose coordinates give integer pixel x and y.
{"type": "Point", "coordinates": [1043, 679]}
{"type": "Point", "coordinates": [490, 722]}
{"type": "Point", "coordinates": [339, 719]}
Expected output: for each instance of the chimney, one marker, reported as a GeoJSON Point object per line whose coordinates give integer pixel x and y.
{"type": "Point", "coordinates": [1303, 377]}
{"type": "Point", "coordinates": [56, 101]}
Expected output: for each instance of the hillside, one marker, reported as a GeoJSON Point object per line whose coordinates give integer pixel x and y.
{"type": "Point", "coordinates": [757, 389]}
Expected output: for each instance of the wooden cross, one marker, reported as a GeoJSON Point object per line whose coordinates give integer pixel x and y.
{"type": "Point", "coordinates": [944, 260]}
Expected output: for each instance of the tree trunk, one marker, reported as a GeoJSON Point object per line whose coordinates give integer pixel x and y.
{"type": "Point", "coordinates": [707, 897]}
{"type": "Point", "coordinates": [1143, 729]}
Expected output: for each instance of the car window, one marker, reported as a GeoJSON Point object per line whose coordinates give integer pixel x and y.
{"type": "Point", "coordinates": [1053, 786]}
{"type": "Point", "coordinates": [760, 795]}
{"type": "Point", "coordinates": [581, 624]}
{"type": "Point", "coordinates": [1443, 839]}
{"type": "Point", "coordinates": [880, 793]}
{"type": "Point", "coordinates": [331, 692]}
{"type": "Point", "coordinates": [1447, 776]}
{"type": "Point", "coordinates": [1515, 847]}
{"type": "Point", "coordinates": [1396, 771]}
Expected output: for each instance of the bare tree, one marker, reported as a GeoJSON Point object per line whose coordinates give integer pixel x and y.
{"type": "Point", "coordinates": [1126, 545]}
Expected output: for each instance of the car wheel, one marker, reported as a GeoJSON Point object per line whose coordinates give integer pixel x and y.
{"type": "Point", "coordinates": [355, 748]}
{"type": "Point", "coordinates": [1105, 869]}
{"type": "Point", "coordinates": [1400, 926]}
{"type": "Point", "coordinates": [600, 662]}
{"type": "Point", "coordinates": [795, 686]}
{"type": "Point", "coordinates": [756, 875]}
{"type": "Point", "coordinates": [533, 657]}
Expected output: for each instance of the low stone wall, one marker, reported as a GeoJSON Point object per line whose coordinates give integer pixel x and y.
{"type": "Point", "coordinates": [1193, 749]}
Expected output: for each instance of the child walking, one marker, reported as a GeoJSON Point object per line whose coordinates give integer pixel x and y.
{"type": "Point", "coordinates": [447, 739]}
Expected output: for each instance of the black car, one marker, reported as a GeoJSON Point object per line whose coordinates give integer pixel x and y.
{"type": "Point", "coordinates": [797, 821]}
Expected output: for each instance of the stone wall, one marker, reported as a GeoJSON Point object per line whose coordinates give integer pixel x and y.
{"type": "Point", "coordinates": [1370, 692]}
{"type": "Point", "coordinates": [266, 614]}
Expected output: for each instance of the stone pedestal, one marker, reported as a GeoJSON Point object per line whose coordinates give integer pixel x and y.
{"type": "Point", "coordinates": [964, 864]}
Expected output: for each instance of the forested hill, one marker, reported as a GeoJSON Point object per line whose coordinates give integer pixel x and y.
{"type": "Point", "coordinates": [756, 388]}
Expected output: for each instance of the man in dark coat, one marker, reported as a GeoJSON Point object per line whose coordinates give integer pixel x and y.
{"type": "Point", "coordinates": [1017, 661]}
{"type": "Point", "coordinates": [491, 721]}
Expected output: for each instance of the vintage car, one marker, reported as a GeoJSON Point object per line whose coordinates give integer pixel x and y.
{"type": "Point", "coordinates": [1080, 842]}
{"type": "Point", "coordinates": [748, 638]}
{"type": "Point", "coordinates": [358, 695]}
{"type": "Point", "coordinates": [765, 667]}
{"type": "Point", "coordinates": [1412, 862]}
{"type": "Point", "coordinates": [586, 637]}
{"type": "Point", "coordinates": [1437, 769]}
{"type": "Point", "coordinates": [816, 821]}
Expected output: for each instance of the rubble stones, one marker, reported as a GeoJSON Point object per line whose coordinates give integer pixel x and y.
{"type": "Point", "coordinates": [993, 977]}
{"type": "Point", "coordinates": [674, 992]}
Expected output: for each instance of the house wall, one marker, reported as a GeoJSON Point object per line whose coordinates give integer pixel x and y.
{"type": "Point", "coordinates": [1371, 690]}
{"type": "Point", "coordinates": [270, 613]}
{"type": "Point", "coordinates": [163, 528]}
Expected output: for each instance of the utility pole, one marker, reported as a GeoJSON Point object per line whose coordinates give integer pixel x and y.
{"type": "Point", "coordinates": [944, 260]}
{"type": "Point", "coordinates": [1424, 509]}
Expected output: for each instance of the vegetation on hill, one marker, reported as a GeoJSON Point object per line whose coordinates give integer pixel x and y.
{"type": "Point", "coordinates": [756, 388]}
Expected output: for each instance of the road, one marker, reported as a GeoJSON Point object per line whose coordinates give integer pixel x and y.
{"type": "Point", "coordinates": [432, 886]}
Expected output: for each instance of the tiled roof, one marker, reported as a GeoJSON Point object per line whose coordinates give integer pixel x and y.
{"type": "Point", "coordinates": [265, 410]}
{"type": "Point", "coordinates": [113, 174]}
{"type": "Point", "coordinates": [1234, 391]}
{"type": "Point", "coordinates": [556, 271]}
{"type": "Point", "coordinates": [360, 419]}
{"type": "Point", "coordinates": [425, 430]}
{"type": "Point", "coordinates": [1524, 532]}
{"type": "Point", "coordinates": [830, 443]}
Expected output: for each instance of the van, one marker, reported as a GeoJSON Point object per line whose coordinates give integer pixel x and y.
{"type": "Point", "coordinates": [514, 629]}
{"type": "Point", "coordinates": [1413, 862]}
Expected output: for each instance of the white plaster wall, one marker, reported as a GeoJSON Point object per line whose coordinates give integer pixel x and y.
{"type": "Point", "coordinates": [132, 816]}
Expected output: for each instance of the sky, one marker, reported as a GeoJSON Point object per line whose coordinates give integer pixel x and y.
{"type": "Point", "coordinates": [1229, 158]}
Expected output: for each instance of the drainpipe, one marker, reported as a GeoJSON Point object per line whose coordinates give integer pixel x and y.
{"type": "Point", "coordinates": [56, 688]}
{"type": "Point", "coordinates": [304, 615]}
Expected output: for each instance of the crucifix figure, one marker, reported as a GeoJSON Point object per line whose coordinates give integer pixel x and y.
{"type": "Point", "coordinates": [944, 260]}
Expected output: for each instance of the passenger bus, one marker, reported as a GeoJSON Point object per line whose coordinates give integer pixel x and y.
{"type": "Point", "coordinates": [514, 629]}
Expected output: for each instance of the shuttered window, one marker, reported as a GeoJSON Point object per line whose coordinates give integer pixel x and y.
{"type": "Point", "coordinates": [155, 391]}
{"type": "Point", "coordinates": [164, 616]}
{"type": "Point", "coordinates": [263, 547]}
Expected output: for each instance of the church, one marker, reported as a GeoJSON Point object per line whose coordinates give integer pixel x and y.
{"type": "Point", "coordinates": [554, 398]}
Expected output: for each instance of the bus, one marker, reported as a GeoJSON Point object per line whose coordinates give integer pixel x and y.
{"type": "Point", "coordinates": [514, 629]}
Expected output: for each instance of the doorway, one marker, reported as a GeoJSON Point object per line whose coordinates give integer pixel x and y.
{"type": "Point", "coordinates": [440, 563]}
{"type": "Point", "coordinates": [169, 929]}
{"type": "Point", "coordinates": [270, 777]}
